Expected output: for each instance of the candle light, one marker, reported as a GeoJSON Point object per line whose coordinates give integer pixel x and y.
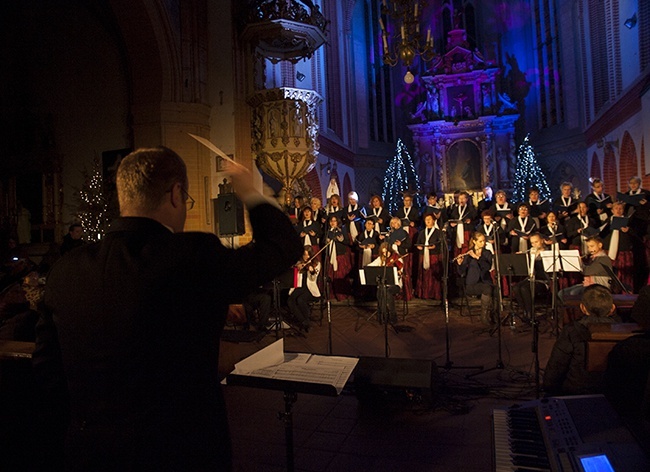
{"type": "Point", "coordinates": [415, 11]}
{"type": "Point", "coordinates": [402, 29]}
{"type": "Point", "coordinates": [381, 23]}
{"type": "Point", "coordinates": [428, 35]}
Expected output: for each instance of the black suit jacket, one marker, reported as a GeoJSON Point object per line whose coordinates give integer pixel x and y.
{"type": "Point", "coordinates": [134, 322]}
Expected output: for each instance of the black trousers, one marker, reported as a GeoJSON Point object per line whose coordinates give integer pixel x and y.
{"type": "Point", "coordinates": [524, 296]}
{"type": "Point", "coordinates": [298, 303]}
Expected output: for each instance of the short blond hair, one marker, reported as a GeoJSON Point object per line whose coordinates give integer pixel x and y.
{"type": "Point", "coordinates": [146, 175]}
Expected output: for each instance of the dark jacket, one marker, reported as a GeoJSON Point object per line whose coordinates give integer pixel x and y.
{"type": "Point", "coordinates": [138, 318]}
{"type": "Point", "coordinates": [566, 371]}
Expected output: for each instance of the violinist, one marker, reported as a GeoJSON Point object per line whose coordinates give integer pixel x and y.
{"type": "Point", "coordinates": [400, 243]}
{"type": "Point", "coordinates": [475, 266]}
{"type": "Point", "coordinates": [387, 258]}
{"type": "Point", "coordinates": [305, 289]}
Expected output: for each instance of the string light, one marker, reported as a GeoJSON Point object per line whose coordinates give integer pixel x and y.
{"type": "Point", "coordinates": [400, 173]}
{"type": "Point", "coordinates": [92, 211]}
{"type": "Point", "coordinates": [528, 174]}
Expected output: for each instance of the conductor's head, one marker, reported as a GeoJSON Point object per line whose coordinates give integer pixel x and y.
{"type": "Point", "coordinates": [152, 183]}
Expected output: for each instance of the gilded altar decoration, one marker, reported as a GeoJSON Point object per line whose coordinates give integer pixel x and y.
{"type": "Point", "coordinates": [284, 133]}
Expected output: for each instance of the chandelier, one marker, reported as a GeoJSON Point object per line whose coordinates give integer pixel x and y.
{"type": "Point", "coordinates": [401, 36]}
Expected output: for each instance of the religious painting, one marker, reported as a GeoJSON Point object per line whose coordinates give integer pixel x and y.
{"type": "Point", "coordinates": [464, 165]}
{"type": "Point", "coordinates": [460, 102]}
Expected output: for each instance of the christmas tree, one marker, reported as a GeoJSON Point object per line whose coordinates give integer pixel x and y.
{"type": "Point", "coordinates": [528, 174]}
{"type": "Point", "coordinates": [93, 204]}
{"type": "Point", "coordinates": [400, 177]}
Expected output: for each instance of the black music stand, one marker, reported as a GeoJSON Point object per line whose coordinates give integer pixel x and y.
{"type": "Point", "coordinates": [514, 265]}
{"type": "Point", "coordinates": [565, 260]}
{"type": "Point", "coordinates": [382, 278]}
{"type": "Point", "coordinates": [282, 281]}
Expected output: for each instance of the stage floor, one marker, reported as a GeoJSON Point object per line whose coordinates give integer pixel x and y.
{"type": "Point", "coordinates": [397, 429]}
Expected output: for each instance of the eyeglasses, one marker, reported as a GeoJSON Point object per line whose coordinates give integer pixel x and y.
{"type": "Point", "coordinates": [189, 201]}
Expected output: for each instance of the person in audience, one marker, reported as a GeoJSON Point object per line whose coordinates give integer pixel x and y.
{"type": "Point", "coordinates": [306, 290]}
{"type": "Point", "coordinates": [566, 371]}
{"type": "Point", "coordinates": [129, 331]}
{"type": "Point", "coordinates": [73, 239]}
{"type": "Point", "coordinates": [429, 272]}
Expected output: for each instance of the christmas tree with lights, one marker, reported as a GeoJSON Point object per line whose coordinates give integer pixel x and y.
{"type": "Point", "coordinates": [93, 206]}
{"type": "Point", "coordinates": [400, 177]}
{"type": "Point", "coordinates": [528, 174]}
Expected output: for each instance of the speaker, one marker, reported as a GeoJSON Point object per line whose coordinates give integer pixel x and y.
{"type": "Point", "coordinates": [381, 378]}
{"type": "Point", "coordinates": [229, 215]}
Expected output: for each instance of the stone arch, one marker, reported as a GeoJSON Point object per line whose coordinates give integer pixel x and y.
{"type": "Point", "coordinates": [610, 172]}
{"type": "Point", "coordinates": [628, 159]}
{"type": "Point", "coordinates": [594, 169]}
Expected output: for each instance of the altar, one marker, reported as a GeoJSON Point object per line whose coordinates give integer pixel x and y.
{"type": "Point", "coordinates": [464, 131]}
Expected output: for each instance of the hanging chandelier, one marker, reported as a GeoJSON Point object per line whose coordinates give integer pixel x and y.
{"type": "Point", "coordinates": [401, 36]}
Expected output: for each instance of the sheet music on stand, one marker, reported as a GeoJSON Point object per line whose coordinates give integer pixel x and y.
{"type": "Point", "coordinates": [567, 260]}
{"type": "Point", "coordinates": [272, 368]}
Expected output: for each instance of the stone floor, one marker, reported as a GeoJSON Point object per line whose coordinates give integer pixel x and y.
{"type": "Point", "coordinates": [394, 428]}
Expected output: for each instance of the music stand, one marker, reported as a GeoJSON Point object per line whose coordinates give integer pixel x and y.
{"type": "Point", "coordinates": [513, 265]}
{"type": "Point", "coordinates": [282, 281]}
{"type": "Point", "coordinates": [565, 260]}
{"type": "Point", "coordinates": [382, 277]}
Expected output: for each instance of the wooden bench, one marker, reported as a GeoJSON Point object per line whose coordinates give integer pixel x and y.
{"type": "Point", "coordinates": [623, 302]}
{"type": "Point", "coordinates": [603, 339]}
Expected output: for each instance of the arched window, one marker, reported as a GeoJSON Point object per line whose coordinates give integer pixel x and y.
{"type": "Point", "coordinates": [610, 173]}
{"type": "Point", "coordinates": [594, 171]}
{"type": "Point", "coordinates": [629, 160]}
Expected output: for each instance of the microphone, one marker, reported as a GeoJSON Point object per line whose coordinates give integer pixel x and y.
{"type": "Point", "coordinates": [445, 226]}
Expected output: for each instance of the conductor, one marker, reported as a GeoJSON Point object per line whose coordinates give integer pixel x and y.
{"type": "Point", "coordinates": [129, 335]}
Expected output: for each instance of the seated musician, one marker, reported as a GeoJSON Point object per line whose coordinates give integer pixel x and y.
{"type": "Point", "coordinates": [475, 266]}
{"type": "Point", "coordinates": [523, 289]}
{"type": "Point", "coordinates": [593, 269]}
{"type": "Point", "coordinates": [306, 288]}
{"type": "Point", "coordinates": [387, 258]}
{"type": "Point", "coordinates": [566, 371]}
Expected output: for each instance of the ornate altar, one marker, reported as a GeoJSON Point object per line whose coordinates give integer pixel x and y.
{"type": "Point", "coordinates": [464, 129]}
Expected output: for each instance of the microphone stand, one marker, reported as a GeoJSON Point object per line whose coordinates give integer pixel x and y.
{"type": "Point", "coordinates": [556, 321]}
{"type": "Point", "coordinates": [445, 302]}
{"type": "Point", "coordinates": [327, 285]}
{"type": "Point", "coordinates": [534, 323]}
